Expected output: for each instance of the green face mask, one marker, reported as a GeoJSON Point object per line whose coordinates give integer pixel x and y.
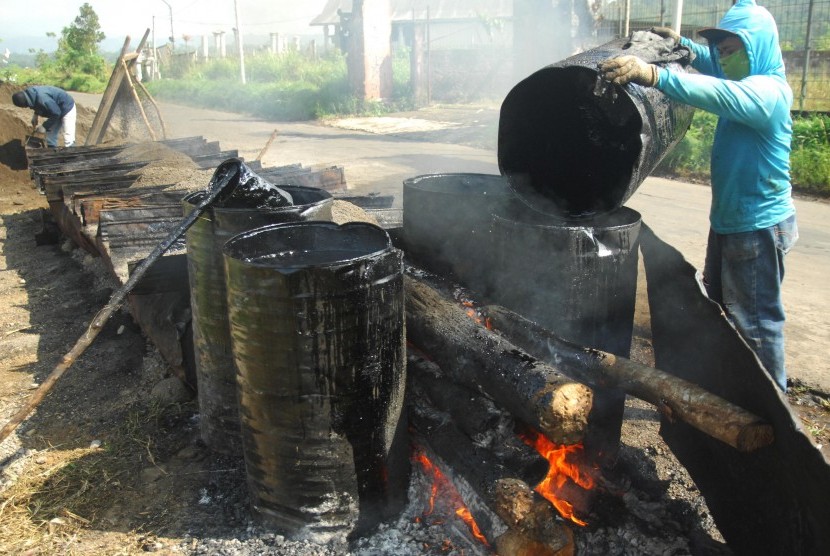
{"type": "Point", "coordinates": [736, 65]}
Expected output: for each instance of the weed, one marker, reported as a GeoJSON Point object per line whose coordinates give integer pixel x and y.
{"type": "Point", "coordinates": [809, 159]}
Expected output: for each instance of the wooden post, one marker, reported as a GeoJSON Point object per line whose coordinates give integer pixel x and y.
{"type": "Point", "coordinates": [267, 145]}
{"type": "Point", "coordinates": [138, 102]}
{"type": "Point", "coordinates": [156, 106]}
{"type": "Point", "coordinates": [92, 138]}
{"type": "Point", "coordinates": [105, 110]}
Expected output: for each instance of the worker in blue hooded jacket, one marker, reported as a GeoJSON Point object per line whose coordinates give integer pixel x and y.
{"type": "Point", "coordinates": [54, 104]}
{"type": "Point", "coordinates": [752, 215]}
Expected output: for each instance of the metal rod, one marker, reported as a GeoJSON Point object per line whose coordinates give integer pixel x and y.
{"type": "Point", "coordinates": [114, 303]}
{"type": "Point", "coordinates": [678, 16]}
{"type": "Point", "coordinates": [239, 42]}
{"type": "Point", "coordinates": [803, 94]}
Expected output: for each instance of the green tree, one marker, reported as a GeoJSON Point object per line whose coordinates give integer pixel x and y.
{"type": "Point", "coordinates": [77, 60]}
{"type": "Point", "coordinates": [84, 34]}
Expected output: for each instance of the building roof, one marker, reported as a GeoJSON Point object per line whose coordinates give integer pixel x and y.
{"type": "Point", "coordinates": [407, 10]}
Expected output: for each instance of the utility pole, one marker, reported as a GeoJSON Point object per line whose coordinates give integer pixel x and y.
{"type": "Point", "coordinates": [172, 36]}
{"type": "Point", "coordinates": [239, 42]}
{"type": "Point", "coordinates": [678, 16]}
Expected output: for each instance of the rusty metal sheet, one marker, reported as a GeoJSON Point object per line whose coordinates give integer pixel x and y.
{"type": "Point", "coordinates": [771, 501]}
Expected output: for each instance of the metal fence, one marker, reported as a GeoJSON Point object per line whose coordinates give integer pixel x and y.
{"type": "Point", "coordinates": [803, 28]}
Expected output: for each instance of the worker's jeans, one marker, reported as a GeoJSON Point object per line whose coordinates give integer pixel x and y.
{"type": "Point", "coordinates": [743, 273]}
{"type": "Point", "coordinates": [67, 124]}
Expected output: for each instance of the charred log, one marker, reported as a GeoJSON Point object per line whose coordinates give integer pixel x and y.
{"type": "Point", "coordinates": [471, 411]}
{"type": "Point", "coordinates": [675, 398]}
{"type": "Point", "coordinates": [480, 468]}
{"type": "Point", "coordinates": [533, 529]}
{"type": "Point", "coordinates": [477, 417]}
{"type": "Point", "coordinates": [533, 392]}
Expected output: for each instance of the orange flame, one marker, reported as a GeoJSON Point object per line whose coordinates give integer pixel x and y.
{"type": "Point", "coordinates": [559, 472]}
{"type": "Point", "coordinates": [442, 483]}
{"type": "Point", "coordinates": [473, 313]}
{"type": "Point", "coordinates": [467, 518]}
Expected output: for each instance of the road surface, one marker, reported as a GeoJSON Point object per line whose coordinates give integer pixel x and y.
{"type": "Point", "coordinates": [398, 148]}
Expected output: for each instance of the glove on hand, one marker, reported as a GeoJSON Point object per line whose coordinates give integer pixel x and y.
{"type": "Point", "coordinates": [627, 69]}
{"type": "Point", "coordinates": [40, 129]}
{"type": "Point", "coordinates": [666, 33]}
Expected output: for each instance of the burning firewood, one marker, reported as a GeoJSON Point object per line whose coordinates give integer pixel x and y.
{"type": "Point", "coordinates": [533, 529]}
{"type": "Point", "coordinates": [477, 417]}
{"type": "Point", "coordinates": [676, 398]}
{"type": "Point", "coordinates": [533, 392]}
{"type": "Point", "coordinates": [472, 469]}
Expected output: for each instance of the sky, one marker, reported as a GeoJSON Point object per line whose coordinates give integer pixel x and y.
{"type": "Point", "coordinates": [21, 23]}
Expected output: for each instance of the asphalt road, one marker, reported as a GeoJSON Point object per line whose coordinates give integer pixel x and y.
{"type": "Point", "coordinates": [396, 149]}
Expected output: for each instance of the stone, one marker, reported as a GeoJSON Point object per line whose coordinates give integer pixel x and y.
{"type": "Point", "coordinates": [170, 391]}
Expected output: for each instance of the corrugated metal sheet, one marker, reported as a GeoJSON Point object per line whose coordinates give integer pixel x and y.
{"type": "Point", "coordinates": [329, 15]}
{"type": "Point", "coordinates": [405, 10]}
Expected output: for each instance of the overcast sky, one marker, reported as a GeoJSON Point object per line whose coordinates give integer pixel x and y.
{"type": "Point", "coordinates": [120, 18]}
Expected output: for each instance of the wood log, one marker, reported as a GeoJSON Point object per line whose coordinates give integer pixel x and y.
{"type": "Point", "coordinates": [473, 413]}
{"type": "Point", "coordinates": [533, 392]}
{"type": "Point", "coordinates": [674, 397]}
{"type": "Point", "coordinates": [533, 529]}
{"type": "Point", "coordinates": [473, 470]}
{"type": "Point", "coordinates": [477, 417]}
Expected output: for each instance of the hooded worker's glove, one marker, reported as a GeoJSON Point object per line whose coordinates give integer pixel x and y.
{"type": "Point", "coordinates": [667, 33]}
{"type": "Point", "coordinates": [40, 129]}
{"type": "Point", "coordinates": [629, 69]}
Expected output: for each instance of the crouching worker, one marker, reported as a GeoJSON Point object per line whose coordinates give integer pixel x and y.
{"type": "Point", "coordinates": [56, 106]}
{"type": "Point", "coordinates": [752, 216]}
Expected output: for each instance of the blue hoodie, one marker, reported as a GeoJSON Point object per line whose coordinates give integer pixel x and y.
{"type": "Point", "coordinates": [751, 151]}
{"type": "Point", "coordinates": [49, 102]}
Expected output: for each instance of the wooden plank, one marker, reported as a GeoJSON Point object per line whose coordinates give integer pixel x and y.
{"type": "Point", "coordinates": [105, 111]}
{"type": "Point", "coordinates": [137, 100]}
{"type": "Point", "coordinates": [108, 99]}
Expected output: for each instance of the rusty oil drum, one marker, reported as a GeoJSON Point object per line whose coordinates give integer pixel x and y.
{"type": "Point", "coordinates": [317, 321]}
{"type": "Point", "coordinates": [569, 152]}
{"type": "Point", "coordinates": [216, 382]}
{"type": "Point", "coordinates": [447, 223]}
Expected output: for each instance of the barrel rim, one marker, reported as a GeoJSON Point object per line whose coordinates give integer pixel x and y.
{"type": "Point", "coordinates": [232, 243]}
{"type": "Point", "coordinates": [634, 219]}
{"type": "Point", "coordinates": [195, 197]}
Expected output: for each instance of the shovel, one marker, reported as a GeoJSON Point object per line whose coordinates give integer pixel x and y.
{"type": "Point", "coordinates": [217, 189]}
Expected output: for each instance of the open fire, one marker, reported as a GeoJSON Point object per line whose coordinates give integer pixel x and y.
{"type": "Point", "coordinates": [443, 486]}
{"type": "Point", "coordinates": [560, 473]}
{"type": "Point", "coordinates": [566, 462]}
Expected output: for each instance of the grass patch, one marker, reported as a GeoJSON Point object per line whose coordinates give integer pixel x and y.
{"type": "Point", "coordinates": [284, 87]}
{"type": "Point", "coordinates": [809, 159]}
{"type": "Point", "coordinates": [60, 492]}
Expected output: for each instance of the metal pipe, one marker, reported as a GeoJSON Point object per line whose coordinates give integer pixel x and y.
{"type": "Point", "coordinates": [172, 36]}
{"type": "Point", "coordinates": [627, 25]}
{"type": "Point", "coordinates": [678, 16]}
{"type": "Point", "coordinates": [239, 46]}
{"type": "Point", "coordinates": [806, 66]}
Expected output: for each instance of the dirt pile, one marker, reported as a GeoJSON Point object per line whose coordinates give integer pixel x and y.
{"type": "Point", "coordinates": [16, 124]}
{"type": "Point", "coordinates": [166, 167]}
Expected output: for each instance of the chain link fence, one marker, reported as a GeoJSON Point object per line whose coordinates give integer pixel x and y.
{"type": "Point", "coordinates": [803, 28]}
